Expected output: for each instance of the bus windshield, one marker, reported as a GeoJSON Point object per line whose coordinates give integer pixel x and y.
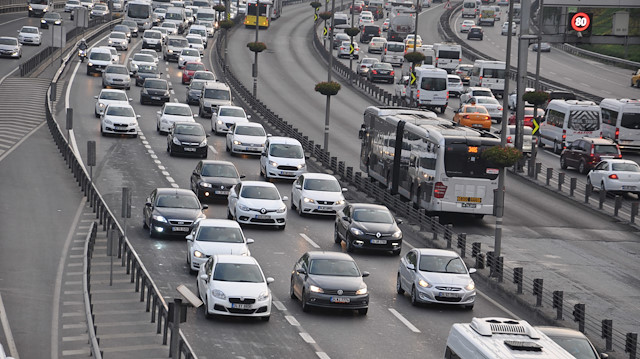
{"type": "Point", "coordinates": [139, 11]}
{"type": "Point", "coordinates": [251, 9]}
{"type": "Point", "coordinates": [462, 160]}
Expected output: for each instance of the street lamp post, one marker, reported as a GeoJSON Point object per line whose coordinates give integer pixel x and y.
{"type": "Point", "coordinates": [353, 4]}
{"type": "Point", "coordinates": [255, 61]}
{"type": "Point", "coordinates": [540, 8]}
{"type": "Point", "coordinates": [327, 114]}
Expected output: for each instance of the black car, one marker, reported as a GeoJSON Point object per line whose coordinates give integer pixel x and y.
{"type": "Point", "coordinates": [187, 138]}
{"type": "Point", "coordinates": [133, 27]}
{"type": "Point", "coordinates": [370, 226]}
{"type": "Point", "coordinates": [50, 18]}
{"type": "Point", "coordinates": [146, 71]}
{"type": "Point", "coordinates": [194, 90]}
{"type": "Point", "coordinates": [171, 211]}
{"type": "Point", "coordinates": [329, 280]}
{"type": "Point", "coordinates": [155, 92]}
{"type": "Point", "coordinates": [368, 32]}
{"type": "Point", "coordinates": [214, 179]}
{"type": "Point", "coordinates": [381, 71]}
{"type": "Point", "coordinates": [475, 33]}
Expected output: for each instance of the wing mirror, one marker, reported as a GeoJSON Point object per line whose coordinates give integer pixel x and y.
{"type": "Point", "coordinates": [301, 271]}
{"type": "Point", "coordinates": [250, 240]}
{"type": "Point", "coordinates": [96, 97]}
{"type": "Point", "coordinates": [365, 274]}
{"type": "Point", "coordinates": [205, 206]}
{"type": "Point", "coordinates": [399, 220]}
{"type": "Point", "coordinates": [270, 280]}
{"type": "Point", "coordinates": [195, 115]}
{"type": "Point", "coordinates": [189, 237]}
{"type": "Point", "coordinates": [345, 189]}
{"type": "Point", "coordinates": [297, 186]}
{"type": "Point", "coordinates": [285, 198]}
{"type": "Point", "coordinates": [472, 270]}
{"type": "Point", "coordinates": [159, 113]}
{"type": "Point", "coordinates": [410, 266]}
{"type": "Point", "coordinates": [204, 277]}
{"type": "Point", "coordinates": [242, 176]}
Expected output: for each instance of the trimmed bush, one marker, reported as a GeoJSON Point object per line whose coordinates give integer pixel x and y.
{"type": "Point", "coordinates": [325, 15]}
{"type": "Point", "coordinates": [315, 4]}
{"type": "Point", "coordinates": [226, 24]}
{"type": "Point", "coordinates": [536, 98]}
{"type": "Point", "coordinates": [352, 31]}
{"type": "Point", "coordinates": [502, 156]}
{"type": "Point", "coordinates": [220, 8]}
{"type": "Point", "coordinates": [414, 57]}
{"type": "Point", "coordinates": [257, 46]}
{"type": "Point", "coordinates": [328, 88]}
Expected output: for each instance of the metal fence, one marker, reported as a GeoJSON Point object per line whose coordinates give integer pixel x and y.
{"type": "Point", "coordinates": [492, 269]}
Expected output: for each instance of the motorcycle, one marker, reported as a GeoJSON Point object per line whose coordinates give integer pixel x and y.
{"type": "Point", "coordinates": [82, 54]}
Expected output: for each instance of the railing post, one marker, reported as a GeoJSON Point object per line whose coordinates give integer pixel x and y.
{"type": "Point", "coordinates": [549, 175]}
{"type": "Point", "coordinates": [560, 180]}
{"type": "Point", "coordinates": [579, 313]}
{"type": "Point", "coordinates": [537, 291]}
{"type": "Point", "coordinates": [572, 186]}
{"type": "Point", "coordinates": [587, 192]}
{"type": "Point", "coordinates": [601, 198]}
{"type": "Point", "coordinates": [607, 333]}
{"type": "Point", "coordinates": [617, 206]}
{"type": "Point", "coordinates": [558, 296]}
{"type": "Point", "coordinates": [634, 211]}
{"type": "Point", "coordinates": [517, 279]}
{"type": "Point", "coordinates": [631, 345]}
{"type": "Point", "coordinates": [538, 170]}
{"type": "Point", "coordinates": [462, 244]}
{"type": "Point", "coordinates": [448, 228]}
{"type": "Point", "coordinates": [434, 227]}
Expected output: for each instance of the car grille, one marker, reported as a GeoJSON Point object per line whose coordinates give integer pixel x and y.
{"type": "Point", "coordinates": [335, 292]}
{"type": "Point", "coordinates": [258, 220]}
{"type": "Point", "coordinates": [259, 209]}
{"type": "Point", "coordinates": [180, 222]}
{"type": "Point", "coordinates": [325, 202]}
{"type": "Point", "coordinates": [447, 299]}
{"type": "Point", "coordinates": [288, 168]}
{"type": "Point", "coordinates": [382, 235]}
{"type": "Point", "coordinates": [242, 300]}
{"type": "Point", "coordinates": [240, 311]}
{"type": "Point", "coordinates": [190, 144]}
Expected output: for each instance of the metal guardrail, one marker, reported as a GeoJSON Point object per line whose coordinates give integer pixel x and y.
{"type": "Point", "coordinates": [88, 310]}
{"type": "Point", "coordinates": [443, 236]}
{"type": "Point", "coordinates": [632, 65]}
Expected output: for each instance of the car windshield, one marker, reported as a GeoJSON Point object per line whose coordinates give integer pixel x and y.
{"type": "Point", "coordinates": [194, 66]}
{"type": "Point", "coordinates": [325, 185]}
{"type": "Point", "coordinates": [216, 94]}
{"type": "Point", "coordinates": [117, 70]}
{"type": "Point", "coordinates": [156, 84]}
{"type": "Point", "coordinates": [488, 100]}
{"type": "Point", "coordinates": [232, 112]}
{"type": "Point", "coordinates": [204, 75]}
{"type": "Point", "coordinates": [578, 347]}
{"type": "Point", "coordinates": [260, 192]}
{"type": "Point", "coordinates": [177, 201]}
{"type": "Point", "coordinates": [118, 35]}
{"type": "Point", "coordinates": [220, 234]}
{"type": "Point", "coordinates": [194, 40]}
{"type": "Point", "coordinates": [395, 47]}
{"type": "Point", "coordinates": [372, 215]}
{"type": "Point", "coordinates": [129, 23]}
{"type": "Point", "coordinates": [152, 34]}
{"type": "Point", "coordinates": [190, 52]}
{"type": "Point", "coordinates": [111, 95]}
{"type": "Point", "coordinates": [73, 2]}
{"type": "Point", "coordinates": [626, 167]}
{"type": "Point", "coordinates": [151, 69]}
{"type": "Point", "coordinates": [100, 7]}
{"type": "Point", "coordinates": [606, 149]}
{"type": "Point", "coordinates": [219, 170]}
{"type": "Point", "coordinates": [143, 58]}
{"type": "Point", "coordinates": [250, 131]}
{"type": "Point", "coordinates": [442, 264]}
{"type": "Point", "coordinates": [178, 110]}
{"type": "Point", "coordinates": [286, 151]}
{"type": "Point", "coordinates": [160, 11]}
{"type": "Point", "coordinates": [236, 272]}
{"type": "Point", "coordinates": [178, 42]}
{"type": "Point", "coordinates": [120, 111]}
{"type": "Point", "coordinates": [100, 56]}
{"type": "Point", "coordinates": [475, 109]}
{"type": "Point", "coordinates": [173, 16]}
{"type": "Point", "coordinates": [52, 15]}
{"type": "Point", "coordinates": [8, 41]}
{"type": "Point", "coordinates": [196, 86]}
{"type": "Point", "coordinates": [334, 267]}
{"type": "Point", "coordinates": [169, 25]}
{"type": "Point", "coordinates": [193, 130]}
{"type": "Point", "coordinates": [29, 30]}
{"type": "Point", "coordinates": [121, 28]}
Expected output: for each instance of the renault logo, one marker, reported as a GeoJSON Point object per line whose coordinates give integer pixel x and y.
{"type": "Point", "coordinates": [242, 299]}
{"type": "Point", "coordinates": [263, 211]}
{"type": "Point", "coordinates": [180, 222]}
{"type": "Point", "coordinates": [221, 187]}
{"type": "Point", "coordinates": [340, 291]}
{"type": "Point", "coordinates": [378, 235]}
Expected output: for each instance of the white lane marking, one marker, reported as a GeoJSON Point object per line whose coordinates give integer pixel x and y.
{"type": "Point", "coordinates": [165, 173]}
{"type": "Point", "coordinates": [306, 238]}
{"type": "Point", "coordinates": [279, 305]}
{"type": "Point", "coordinates": [213, 150]}
{"type": "Point", "coordinates": [144, 142]}
{"type": "Point", "coordinates": [292, 320]}
{"type": "Point", "coordinates": [13, 350]}
{"type": "Point", "coordinates": [10, 21]}
{"type": "Point", "coordinates": [3, 155]}
{"type": "Point", "coordinates": [172, 92]}
{"type": "Point", "coordinates": [74, 144]}
{"type": "Point", "coordinates": [157, 162]}
{"type": "Point", "coordinates": [175, 185]}
{"type": "Point", "coordinates": [431, 8]}
{"type": "Point", "coordinates": [175, 100]}
{"type": "Point", "coordinates": [323, 355]}
{"type": "Point", "coordinates": [307, 338]}
{"type": "Point", "coordinates": [9, 74]}
{"type": "Point", "coordinates": [162, 168]}
{"type": "Point", "coordinates": [404, 320]}
{"type": "Point", "coordinates": [170, 179]}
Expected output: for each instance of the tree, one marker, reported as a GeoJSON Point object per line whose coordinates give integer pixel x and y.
{"type": "Point", "coordinates": [537, 98]}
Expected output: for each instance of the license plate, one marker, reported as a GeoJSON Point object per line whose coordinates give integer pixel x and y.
{"type": "Point", "coordinates": [155, 97]}
{"type": "Point", "coordinates": [121, 127]}
{"type": "Point", "coordinates": [476, 125]}
{"type": "Point", "coordinates": [378, 241]}
{"type": "Point", "coordinates": [449, 295]}
{"type": "Point", "coordinates": [190, 149]}
{"type": "Point", "coordinates": [240, 306]}
{"type": "Point", "coordinates": [629, 187]}
{"type": "Point", "coordinates": [262, 216]}
{"type": "Point", "coordinates": [470, 199]}
{"type": "Point", "coordinates": [340, 300]}
{"type": "Point", "coordinates": [286, 173]}
{"type": "Point", "coordinates": [180, 229]}
{"type": "Point", "coordinates": [254, 149]}
{"type": "Point", "coordinates": [468, 205]}
{"type": "Point", "coordinates": [324, 208]}
{"type": "Point", "coordinates": [221, 192]}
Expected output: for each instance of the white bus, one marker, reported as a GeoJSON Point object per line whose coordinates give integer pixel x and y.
{"type": "Point", "coordinates": [439, 166]}
{"type": "Point", "coordinates": [621, 122]}
{"type": "Point", "coordinates": [141, 12]}
{"type": "Point", "coordinates": [448, 55]}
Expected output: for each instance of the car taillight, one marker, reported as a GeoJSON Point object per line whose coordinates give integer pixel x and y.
{"type": "Point", "coordinates": [439, 190]}
{"type": "Point", "coordinates": [466, 116]}
{"type": "Point", "coordinates": [447, 95]}
{"type": "Point", "coordinates": [500, 108]}
{"type": "Point", "coordinates": [617, 133]}
{"type": "Point", "coordinates": [592, 152]}
{"type": "Point", "coordinates": [509, 139]}
{"type": "Point", "coordinates": [393, 73]}
{"type": "Point", "coordinates": [487, 118]}
{"type": "Point", "coordinates": [418, 93]}
{"type": "Point", "coordinates": [613, 176]}
{"type": "Point", "coordinates": [564, 137]}
{"type": "Point", "coordinates": [375, 72]}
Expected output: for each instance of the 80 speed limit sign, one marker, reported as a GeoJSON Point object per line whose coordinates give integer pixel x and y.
{"type": "Point", "coordinates": [580, 21]}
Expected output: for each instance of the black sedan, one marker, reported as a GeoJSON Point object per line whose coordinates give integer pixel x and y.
{"type": "Point", "coordinates": [329, 280]}
{"type": "Point", "coordinates": [194, 91]}
{"type": "Point", "coordinates": [475, 33]}
{"type": "Point", "coordinates": [370, 226]}
{"type": "Point", "coordinates": [146, 72]}
{"type": "Point", "coordinates": [50, 18]}
{"type": "Point", "coordinates": [214, 179]}
{"type": "Point", "coordinates": [155, 92]}
{"type": "Point", "coordinates": [171, 211]}
{"type": "Point", "coordinates": [381, 71]}
{"type": "Point", "coordinates": [187, 138]}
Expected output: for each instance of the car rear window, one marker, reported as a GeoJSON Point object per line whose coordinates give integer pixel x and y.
{"type": "Point", "coordinates": [371, 29]}
{"type": "Point", "coordinates": [606, 149]}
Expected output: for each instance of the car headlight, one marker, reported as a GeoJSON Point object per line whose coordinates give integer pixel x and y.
{"type": "Point", "coordinates": [423, 283]}
{"type": "Point", "coordinates": [101, 105]}
{"type": "Point", "coordinates": [203, 143]}
{"type": "Point", "coordinates": [273, 164]}
{"type": "Point", "coordinates": [176, 141]}
{"type": "Point", "coordinates": [43, 21]}
{"type": "Point", "coordinates": [340, 202]}
{"type": "Point", "coordinates": [108, 122]}
{"type": "Point", "coordinates": [205, 184]}
{"type": "Point", "coordinates": [398, 234]}
{"type": "Point", "coordinates": [30, 8]}
{"type": "Point", "coordinates": [313, 288]}
{"type": "Point", "coordinates": [263, 296]}
{"type": "Point", "coordinates": [217, 293]}
{"type": "Point", "coordinates": [471, 285]}
{"type": "Point", "coordinates": [219, 122]}
{"type": "Point", "coordinates": [356, 231]}
{"type": "Point", "coordinates": [309, 200]}
{"type": "Point", "coordinates": [159, 218]}
{"type": "Point", "coordinates": [281, 210]}
{"type": "Point", "coordinates": [198, 254]}
{"type": "Point", "coordinates": [361, 291]}
{"type": "Point", "coordinates": [242, 207]}
{"type": "Point", "coordinates": [170, 51]}
{"type": "Point", "coordinates": [111, 41]}
{"type": "Point", "coordinates": [236, 142]}
{"type": "Point", "coordinates": [300, 166]}
{"type": "Point", "coordinates": [44, 10]}
{"type": "Point", "coordinates": [58, 22]}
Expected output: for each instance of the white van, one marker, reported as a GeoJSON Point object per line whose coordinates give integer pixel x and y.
{"type": "Point", "coordinates": [621, 121]}
{"type": "Point", "coordinates": [448, 55]}
{"type": "Point", "coordinates": [469, 8]}
{"type": "Point", "coordinates": [177, 16]}
{"type": "Point", "coordinates": [568, 120]}
{"type": "Point", "coordinates": [490, 74]}
{"type": "Point", "coordinates": [393, 53]}
{"type": "Point", "coordinates": [429, 54]}
{"type": "Point", "coordinates": [283, 157]}
{"type": "Point", "coordinates": [500, 338]}
{"type": "Point", "coordinates": [431, 89]}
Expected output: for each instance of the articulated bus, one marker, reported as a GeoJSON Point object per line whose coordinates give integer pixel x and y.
{"type": "Point", "coordinates": [439, 166]}
{"type": "Point", "coordinates": [269, 10]}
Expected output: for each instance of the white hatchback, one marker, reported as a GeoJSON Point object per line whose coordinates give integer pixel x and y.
{"type": "Point", "coordinates": [227, 116]}
{"type": "Point", "coordinates": [246, 138]}
{"type": "Point", "coordinates": [254, 202]}
{"type": "Point", "coordinates": [317, 193]}
{"type": "Point", "coordinates": [215, 236]}
{"type": "Point", "coordinates": [30, 35]}
{"type": "Point", "coordinates": [171, 113]}
{"type": "Point", "coordinates": [119, 119]}
{"type": "Point", "coordinates": [283, 157]}
{"type": "Point", "coordinates": [108, 97]}
{"type": "Point", "coordinates": [615, 175]}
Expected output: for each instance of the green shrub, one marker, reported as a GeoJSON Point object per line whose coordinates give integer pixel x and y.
{"type": "Point", "coordinates": [226, 24]}
{"type": "Point", "coordinates": [257, 46]}
{"type": "Point", "coordinates": [414, 57]}
{"type": "Point", "coordinates": [536, 98]}
{"type": "Point", "coordinates": [315, 4]}
{"type": "Point", "coordinates": [502, 156]}
{"type": "Point", "coordinates": [328, 88]}
{"type": "Point", "coordinates": [352, 31]}
{"type": "Point", "coordinates": [325, 15]}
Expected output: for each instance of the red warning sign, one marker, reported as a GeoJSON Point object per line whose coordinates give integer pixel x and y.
{"type": "Point", "coordinates": [580, 21]}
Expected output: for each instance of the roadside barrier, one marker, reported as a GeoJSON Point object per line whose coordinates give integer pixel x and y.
{"type": "Point", "coordinates": [21, 5]}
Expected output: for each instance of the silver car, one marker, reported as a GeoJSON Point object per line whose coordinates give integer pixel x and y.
{"type": "Point", "coordinates": [116, 76]}
{"type": "Point", "coordinates": [10, 47]}
{"type": "Point", "coordinates": [118, 40]}
{"type": "Point", "coordinates": [365, 64]}
{"type": "Point", "coordinates": [492, 105]}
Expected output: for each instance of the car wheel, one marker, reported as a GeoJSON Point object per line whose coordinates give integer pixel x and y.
{"type": "Point", "coordinates": [563, 163]}
{"type": "Point", "coordinates": [97, 115]}
{"type": "Point", "coordinates": [170, 150]}
{"type": "Point", "coordinates": [582, 167]}
{"type": "Point", "coordinates": [305, 306]}
{"type": "Point", "coordinates": [555, 147]}
{"type": "Point", "coordinates": [229, 215]}
{"type": "Point", "coordinates": [282, 227]}
{"type": "Point", "coordinates": [336, 236]}
{"type": "Point", "coordinates": [442, 109]}
{"type": "Point", "coordinates": [396, 252]}
{"type": "Point", "coordinates": [158, 127]}
{"type": "Point", "coordinates": [152, 232]}
{"type": "Point", "coordinates": [144, 224]}
{"type": "Point", "coordinates": [198, 289]}
{"type": "Point", "coordinates": [205, 155]}
{"type": "Point", "coordinates": [602, 187]}
{"type": "Point", "coordinates": [349, 244]}
{"type": "Point", "coordinates": [300, 212]}
{"type": "Point", "coordinates": [226, 147]}
{"type": "Point", "coordinates": [399, 289]}
{"type": "Point", "coordinates": [207, 315]}
{"type": "Point", "coordinates": [414, 296]}
{"type": "Point", "coordinates": [292, 294]}
{"type": "Point", "coordinates": [589, 184]}
{"type": "Point", "coordinates": [363, 311]}
{"type": "Point", "coordinates": [468, 307]}
{"type": "Point", "coordinates": [265, 318]}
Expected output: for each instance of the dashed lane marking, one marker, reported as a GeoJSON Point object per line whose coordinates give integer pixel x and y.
{"type": "Point", "coordinates": [306, 238]}
{"type": "Point", "coordinates": [404, 320]}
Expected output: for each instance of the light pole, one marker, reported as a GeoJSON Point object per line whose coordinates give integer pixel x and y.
{"type": "Point", "coordinates": [353, 4]}
{"type": "Point", "coordinates": [537, 83]}
{"type": "Point", "coordinates": [255, 61]}
{"type": "Point", "coordinates": [523, 47]}
{"type": "Point", "coordinates": [328, 108]}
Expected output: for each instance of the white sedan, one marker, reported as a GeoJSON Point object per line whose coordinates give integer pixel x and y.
{"type": "Point", "coordinates": [172, 28]}
{"type": "Point", "coordinates": [189, 55]}
{"type": "Point", "coordinates": [345, 50]}
{"type": "Point", "coordinates": [227, 116]}
{"type": "Point", "coordinates": [119, 119]}
{"type": "Point", "coordinates": [172, 112]}
{"type": "Point", "coordinates": [234, 286]}
{"type": "Point", "coordinates": [255, 202]}
{"type": "Point", "coordinates": [215, 236]}
{"type": "Point", "coordinates": [615, 175]}
{"type": "Point", "coordinates": [246, 138]}
{"type": "Point", "coordinates": [151, 52]}
{"type": "Point", "coordinates": [118, 40]}
{"type": "Point", "coordinates": [492, 105]}
{"type": "Point", "coordinates": [466, 25]}
{"type": "Point", "coordinates": [140, 59]}
{"type": "Point", "coordinates": [30, 35]}
{"type": "Point", "coordinates": [108, 97]}
{"type": "Point", "coordinates": [317, 193]}
{"type": "Point", "coordinates": [195, 42]}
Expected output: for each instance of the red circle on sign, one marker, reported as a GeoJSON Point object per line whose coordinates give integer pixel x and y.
{"type": "Point", "coordinates": [580, 21]}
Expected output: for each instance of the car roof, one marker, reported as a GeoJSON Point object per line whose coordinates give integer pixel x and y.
{"type": "Point", "coordinates": [368, 205]}
{"type": "Point", "coordinates": [216, 222]}
{"type": "Point", "coordinates": [598, 140]}
{"type": "Point", "coordinates": [230, 258]}
{"type": "Point", "coordinates": [284, 140]}
{"type": "Point", "coordinates": [248, 124]}
{"type": "Point", "coordinates": [228, 106]}
{"type": "Point", "coordinates": [187, 123]}
{"type": "Point", "coordinates": [117, 104]}
{"type": "Point", "coordinates": [176, 104]}
{"type": "Point", "coordinates": [436, 252]}
{"type": "Point", "coordinates": [216, 162]}
{"type": "Point", "coordinates": [315, 175]}
{"type": "Point", "coordinates": [216, 84]}
{"type": "Point", "coordinates": [169, 190]}
{"type": "Point", "coordinates": [473, 88]}
{"type": "Point", "coordinates": [329, 255]}
{"type": "Point", "coordinates": [618, 160]}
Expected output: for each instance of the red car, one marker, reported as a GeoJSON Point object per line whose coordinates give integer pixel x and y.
{"type": "Point", "coordinates": [190, 68]}
{"type": "Point", "coordinates": [528, 116]}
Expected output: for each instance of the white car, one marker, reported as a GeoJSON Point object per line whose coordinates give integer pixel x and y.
{"type": "Point", "coordinates": [109, 97]}
{"type": "Point", "coordinates": [474, 92]}
{"type": "Point", "coordinates": [195, 42]}
{"type": "Point", "coordinates": [200, 30]}
{"type": "Point", "coordinates": [118, 40]}
{"type": "Point", "coordinates": [163, 31]}
{"type": "Point", "coordinates": [317, 193]}
{"type": "Point", "coordinates": [365, 19]}
{"type": "Point", "coordinates": [454, 84]}
{"type": "Point", "coordinates": [115, 58]}
{"type": "Point", "coordinates": [492, 105]}
{"type": "Point", "coordinates": [158, 15]}
{"type": "Point", "coordinates": [234, 286]}
{"type": "Point", "coordinates": [116, 76]}
{"type": "Point", "coordinates": [189, 55]}
{"type": "Point", "coordinates": [254, 202]}
{"type": "Point", "coordinates": [202, 24]}
{"type": "Point", "coordinates": [215, 236]}
{"type": "Point", "coordinates": [615, 175]}
{"type": "Point", "coordinates": [513, 98]}
{"type": "Point", "coordinates": [172, 112]}
{"type": "Point", "coordinates": [246, 138]}
{"type": "Point", "coordinates": [30, 35]}
{"type": "Point", "coordinates": [140, 59]}
{"type": "Point", "coordinates": [72, 4]}
{"type": "Point", "coordinates": [99, 10]}
{"type": "Point", "coordinates": [466, 25]}
{"type": "Point", "coordinates": [10, 47]}
{"type": "Point", "coordinates": [283, 157]}
{"type": "Point", "coordinates": [153, 54]}
{"type": "Point", "coordinates": [436, 276]}
{"type": "Point", "coordinates": [119, 119]}
{"type": "Point", "coordinates": [87, 4]}
{"type": "Point", "coordinates": [227, 116]}
{"type": "Point", "coordinates": [172, 28]}
{"type": "Point", "coordinates": [365, 64]}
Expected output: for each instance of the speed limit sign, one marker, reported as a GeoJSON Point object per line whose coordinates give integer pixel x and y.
{"type": "Point", "coordinates": [580, 21]}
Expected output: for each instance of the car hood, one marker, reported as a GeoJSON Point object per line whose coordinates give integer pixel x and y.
{"type": "Point", "coordinates": [179, 213]}
{"type": "Point", "coordinates": [370, 227]}
{"type": "Point", "coordinates": [116, 76]}
{"type": "Point", "coordinates": [121, 119]}
{"type": "Point", "coordinates": [148, 75]}
{"type": "Point", "coordinates": [231, 119]}
{"type": "Point", "coordinates": [26, 34]}
{"type": "Point", "coordinates": [323, 195]}
{"type": "Point", "coordinates": [118, 40]}
{"type": "Point", "coordinates": [222, 181]}
{"type": "Point", "coordinates": [213, 248]}
{"type": "Point", "coordinates": [190, 138]}
{"type": "Point", "coordinates": [190, 58]}
{"type": "Point", "coordinates": [109, 102]}
{"type": "Point", "coordinates": [250, 139]}
{"type": "Point", "coordinates": [156, 92]}
{"type": "Point", "coordinates": [268, 204]}
{"type": "Point", "coordinates": [174, 118]}
{"type": "Point", "coordinates": [240, 289]}
{"type": "Point", "coordinates": [446, 278]}
{"type": "Point", "coordinates": [337, 282]}
{"type": "Point", "coordinates": [9, 47]}
{"type": "Point", "coordinates": [287, 161]}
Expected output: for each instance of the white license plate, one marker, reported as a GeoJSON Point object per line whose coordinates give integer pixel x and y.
{"type": "Point", "coordinates": [340, 300]}
{"type": "Point", "coordinates": [468, 205]}
{"type": "Point", "coordinates": [254, 149]}
{"type": "Point", "coordinates": [180, 229]}
{"type": "Point", "coordinates": [240, 306]}
{"type": "Point", "coordinates": [449, 295]}
{"type": "Point", "coordinates": [262, 216]}
{"type": "Point", "coordinates": [121, 127]}
{"type": "Point", "coordinates": [476, 125]}
{"type": "Point", "coordinates": [324, 208]}
{"type": "Point", "coordinates": [286, 173]}
{"type": "Point", "coordinates": [221, 192]}
{"type": "Point", "coordinates": [190, 149]}
{"type": "Point", "coordinates": [378, 241]}
{"type": "Point", "coordinates": [630, 188]}
{"type": "Point", "coordinates": [155, 97]}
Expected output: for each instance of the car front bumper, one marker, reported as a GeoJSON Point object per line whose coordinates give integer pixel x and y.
{"type": "Point", "coordinates": [225, 307]}
{"type": "Point", "coordinates": [338, 301]}
{"type": "Point", "coordinates": [189, 150]}
{"type": "Point", "coordinates": [284, 174]}
{"type": "Point", "coordinates": [320, 208]}
{"type": "Point", "coordinates": [155, 100]}
{"type": "Point", "coordinates": [250, 149]}
{"type": "Point", "coordinates": [435, 295]}
{"type": "Point", "coordinates": [117, 84]}
{"type": "Point", "coordinates": [120, 129]}
{"type": "Point", "coordinates": [255, 217]}
{"type": "Point", "coordinates": [168, 229]}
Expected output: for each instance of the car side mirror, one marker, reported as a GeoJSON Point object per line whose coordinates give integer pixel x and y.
{"type": "Point", "coordinates": [410, 266]}
{"type": "Point", "coordinates": [248, 116]}
{"type": "Point", "coordinates": [345, 189]}
{"type": "Point", "coordinates": [189, 237]}
{"type": "Point", "coordinates": [365, 274]}
{"type": "Point", "coordinates": [138, 116]}
{"type": "Point", "coordinates": [270, 280]}
{"type": "Point", "coordinates": [285, 198]}
{"type": "Point", "coordinates": [263, 153]}
{"type": "Point", "coordinates": [301, 271]}
{"type": "Point", "coordinates": [204, 277]}
{"type": "Point", "coordinates": [195, 115]}
{"type": "Point", "coordinates": [472, 270]}
{"type": "Point", "coordinates": [250, 240]}
{"type": "Point", "coordinates": [148, 204]}
{"type": "Point", "coordinates": [205, 206]}
{"type": "Point", "coordinates": [96, 97]}
{"type": "Point", "coordinates": [345, 218]}
{"type": "Point", "coordinates": [297, 186]}
{"type": "Point", "coordinates": [242, 176]}
{"type": "Point", "coordinates": [130, 99]}
{"type": "Point", "coordinates": [159, 113]}
{"type": "Point", "coordinates": [399, 220]}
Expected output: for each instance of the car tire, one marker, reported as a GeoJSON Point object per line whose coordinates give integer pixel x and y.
{"type": "Point", "coordinates": [206, 154]}
{"type": "Point", "coordinates": [229, 215]}
{"type": "Point", "coordinates": [152, 233]}
{"type": "Point", "coordinates": [589, 184]}
{"type": "Point", "coordinates": [292, 294]}
{"type": "Point", "coordinates": [336, 235]}
{"type": "Point", "coordinates": [170, 150]}
{"type": "Point", "coordinates": [363, 311]}
{"type": "Point", "coordinates": [207, 315]}
{"type": "Point", "coordinates": [555, 147]}
{"type": "Point", "coordinates": [300, 212]}
{"type": "Point", "coordinates": [602, 187]}
{"type": "Point", "coordinates": [563, 163]}
{"type": "Point", "coordinates": [414, 296]}
{"type": "Point", "coordinates": [349, 244]}
{"type": "Point", "coordinates": [282, 227]}
{"type": "Point", "coordinates": [468, 307]}
{"type": "Point", "coordinates": [97, 114]}
{"type": "Point", "coordinates": [582, 167]}
{"type": "Point", "coordinates": [305, 307]}
{"type": "Point", "coordinates": [399, 289]}
{"type": "Point", "coordinates": [265, 318]}
{"type": "Point", "coordinates": [443, 108]}
{"type": "Point", "coordinates": [396, 252]}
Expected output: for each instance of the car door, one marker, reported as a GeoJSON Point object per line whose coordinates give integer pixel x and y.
{"type": "Point", "coordinates": [264, 158]}
{"type": "Point", "coordinates": [344, 220]}
{"type": "Point", "coordinates": [234, 194]}
{"type": "Point", "coordinates": [407, 275]}
{"type": "Point", "coordinates": [148, 207]}
{"type": "Point", "coordinates": [299, 279]}
{"type": "Point", "coordinates": [601, 170]}
{"type": "Point", "coordinates": [570, 155]}
{"type": "Point", "coordinates": [229, 138]}
{"type": "Point", "coordinates": [296, 191]}
{"type": "Point", "coordinates": [202, 283]}
{"type": "Point", "coordinates": [196, 177]}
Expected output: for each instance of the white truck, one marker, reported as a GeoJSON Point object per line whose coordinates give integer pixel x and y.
{"type": "Point", "coordinates": [448, 55]}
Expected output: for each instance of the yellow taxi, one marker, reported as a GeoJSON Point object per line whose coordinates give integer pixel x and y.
{"type": "Point", "coordinates": [410, 42]}
{"type": "Point", "coordinates": [635, 79]}
{"type": "Point", "coordinates": [473, 115]}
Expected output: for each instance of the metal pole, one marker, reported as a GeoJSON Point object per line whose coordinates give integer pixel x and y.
{"type": "Point", "coordinates": [523, 42]}
{"type": "Point", "coordinates": [327, 114]}
{"type": "Point", "coordinates": [255, 61]}
{"type": "Point", "coordinates": [415, 32]}
{"type": "Point", "coordinates": [499, 200]}
{"type": "Point", "coordinates": [353, 4]}
{"type": "Point", "coordinates": [537, 85]}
